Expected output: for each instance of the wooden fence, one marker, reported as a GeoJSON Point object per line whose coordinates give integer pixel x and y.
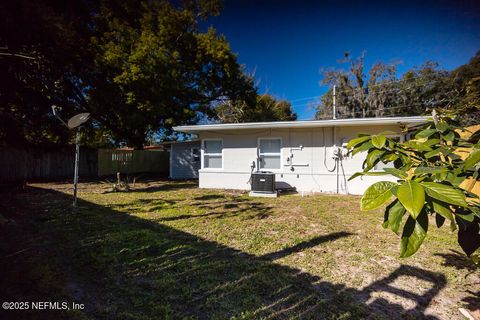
{"type": "Point", "coordinates": [132, 161]}
{"type": "Point", "coordinates": [35, 163]}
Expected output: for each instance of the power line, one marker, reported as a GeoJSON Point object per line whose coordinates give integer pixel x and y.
{"type": "Point", "coordinates": [426, 102]}
{"type": "Point", "coordinates": [303, 99]}
{"type": "Point", "coordinates": [383, 83]}
{"type": "Point", "coordinates": [400, 81]}
{"type": "Point", "coordinates": [385, 90]}
{"type": "Point", "coordinates": [386, 109]}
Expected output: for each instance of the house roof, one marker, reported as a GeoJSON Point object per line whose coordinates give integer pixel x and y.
{"type": "Point", "coordinates": [303, 124]}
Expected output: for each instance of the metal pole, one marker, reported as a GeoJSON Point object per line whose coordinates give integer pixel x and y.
{"type": "Point", "coordinates": [77, 160]}
{"type": "Point", "coordinates": [337, 164]}
{"type": "Point", "coordinates": [334, 102]}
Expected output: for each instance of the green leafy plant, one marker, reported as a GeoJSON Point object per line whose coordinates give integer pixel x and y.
{"type": "Point", "coordinates": [430, 167]}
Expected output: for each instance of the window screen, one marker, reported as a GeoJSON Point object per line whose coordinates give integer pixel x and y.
{"type": "Point", "coordinates": [212, 153]}
{"type": "Point", "coordinates": [269, 151]}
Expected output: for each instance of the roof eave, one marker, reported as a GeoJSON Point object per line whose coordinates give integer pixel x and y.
{"type": "Point", "coordinates": [302, 124]}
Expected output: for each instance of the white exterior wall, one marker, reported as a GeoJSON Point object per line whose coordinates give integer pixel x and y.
{"type": "Point", "coordinates": [310, 173]}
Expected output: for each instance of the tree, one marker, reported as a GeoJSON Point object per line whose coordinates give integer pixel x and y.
{"type": "Point", "coordinates": [431, 170]}
{"type": "Point", "coordinates": [357, 96]}
{"type": "Point", "coordinates": [265, 108]}
{"type": "Point", "coordinates": [417, 92]}
{"type": "Point", "coordinates": [43, 54]}
{"type": "Point", "coordinates": [466, 81]}
{"type": "Point", "coordinates": [159, 70]}
{"type": "Point", "coordinates": [139, 67]}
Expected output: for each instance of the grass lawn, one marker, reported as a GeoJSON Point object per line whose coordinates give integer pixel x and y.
{"type": "Point", "coordinates": [168, 250]}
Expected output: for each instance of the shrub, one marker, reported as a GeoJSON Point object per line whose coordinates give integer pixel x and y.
{"type": "Point", "coordinates": [430, 169]}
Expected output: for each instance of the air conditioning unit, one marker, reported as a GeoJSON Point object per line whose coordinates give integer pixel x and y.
{"type": "Point", "coordinates": [263, 181]}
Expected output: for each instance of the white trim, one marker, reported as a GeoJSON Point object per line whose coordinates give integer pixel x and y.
{"type": "Point", "coordinates": [305, 124]}
{"type": "Point", "coordinates": [202, 160]}
{"type": "Point", "coordinates": [276, 170]}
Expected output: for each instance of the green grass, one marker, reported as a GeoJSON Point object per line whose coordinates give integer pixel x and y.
{"type": "Point", "coordinates": [169, 250]}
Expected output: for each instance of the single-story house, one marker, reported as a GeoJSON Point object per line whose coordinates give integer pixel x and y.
{"type": "Point", "coordinates": [307, 155]}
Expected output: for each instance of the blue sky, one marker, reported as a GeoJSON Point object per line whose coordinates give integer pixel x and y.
{"type": "Point", "coordinates": [287, 42]}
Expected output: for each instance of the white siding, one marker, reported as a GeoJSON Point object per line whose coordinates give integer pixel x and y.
{"type": "Point", "coordinates": [309, 172]}
{"type": "Point", "coordinates": [182, 164]}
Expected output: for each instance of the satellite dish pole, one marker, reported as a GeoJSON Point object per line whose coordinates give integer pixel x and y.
{"type": "Point", "coordinates": [74, 123]}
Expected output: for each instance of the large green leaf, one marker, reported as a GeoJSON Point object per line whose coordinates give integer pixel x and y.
{"type": "Point", "coordinates": [433, 153]}
{"type": "Point", "coordinates": [442, 126]}
{"type": "Point", "coordinates": [425, 133]}
{"type": "Point", "coordinates": [363, 147]}
{"type": "Point", "coordinates": [375, 173]}
{"type": "Point", "coordinates": [453, 178]}
{"type": "Point", "coordinates": [396, 172]}
{"type": "Point", "coordinates": [472, 159]}
{"type": "Point", "coordinates": [443, 210]}
{"type": "Point", "coordinates": [466, 216]}
{"type": "Point", "coordinates": [395, 212]}
{"type": "Point", "coordinates": [450, 136]}
{"type": "Point", "coordinates": [354, 142]}
{"type": "Point", "coordinates": [421, 170]}
{"type": "Point", "coordinates": [445, 193]}
{"type": "Point", "coordinates": [418, 146]}
{"type": "Point", "coordinates": [372, 158]}
{"type": "Point", "coordinates": [376, 195]}
{"type": "Point", "coordinates": [414, 233]}
{"type": "Point", "coordinates": [378, 141]}
{"type": "Point", "coordinates": [431, 142]}
{"type": "Point", "coordinates": [412, 196]}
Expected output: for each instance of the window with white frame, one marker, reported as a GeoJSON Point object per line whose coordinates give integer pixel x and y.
{"type": "Point", "coordinates": [269, 153]}
{"type": "Point", "coordinates": [212, 153]}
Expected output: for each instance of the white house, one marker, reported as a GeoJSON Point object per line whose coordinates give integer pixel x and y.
{"type": "Point", "coordinates": [302, 154]}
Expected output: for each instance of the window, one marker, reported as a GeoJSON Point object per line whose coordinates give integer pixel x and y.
{"type": "Point", "coordinates": [212, 153]}
{"type": "Point", "coordinates": [269, 153]}
{"type": "Point", "coordinates": [195, 154]}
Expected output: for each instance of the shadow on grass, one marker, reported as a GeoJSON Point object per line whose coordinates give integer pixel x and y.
{"type": "Point", "coordinates": [123, 267]}
{"type": "Point", "coordinates": [457, 260]}
{"type": "Point", "coordinates": [169, 185]}
{"type": "Point", "coordinates": [210, 197]}
{"type": "Point", "coordinates": [305, 245]}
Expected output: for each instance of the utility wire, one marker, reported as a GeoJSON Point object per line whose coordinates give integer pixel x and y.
{"type": "Point", "coordinates": [426, 102]}
{"type": "Point", "coordinates": [380, 84]}
{"type": "Point", "coordinates": [387, 109]}
{"type": "Point", "coordinates": [359, 90]}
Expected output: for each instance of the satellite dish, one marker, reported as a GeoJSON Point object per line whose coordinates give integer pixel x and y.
{"type": "Point", "coordinates": [78, 120]}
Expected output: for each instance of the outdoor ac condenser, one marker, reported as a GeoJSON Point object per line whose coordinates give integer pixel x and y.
{"type": "Point", "coordinates": [263, 181]}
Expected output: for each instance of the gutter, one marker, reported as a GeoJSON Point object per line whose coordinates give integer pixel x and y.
{"type": "Point", "coordinates": [304, 124]}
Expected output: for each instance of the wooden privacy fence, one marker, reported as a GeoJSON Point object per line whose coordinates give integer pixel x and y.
{"type": "Point", "coordinates": [132, 161]}
{"type": "Point", "coordinates": [38, 163]}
